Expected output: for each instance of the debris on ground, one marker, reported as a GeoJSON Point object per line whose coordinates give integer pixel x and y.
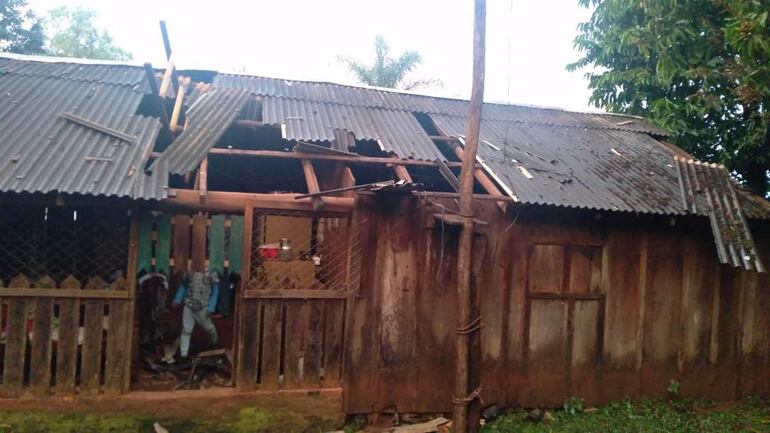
{"type": "Point", "coordinates": [431, 426]}
{"type": "Point", "coordinates": [534, 415]}
{"type": "Point", "coordinates": [158, 428]}
{"type": "Point", "coordinates": [490, 412]}
{"type": "Point", "coordinates": [207, 369]}
{"type": "Point", "coordinates": [548, 417]}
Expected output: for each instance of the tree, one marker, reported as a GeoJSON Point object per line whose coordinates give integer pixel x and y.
{"type": "Point", "coordinates": [74, 34]}
{"type": "Point", "coordinates": [698, 68]}
{"type": "Point", "coordinates": [387, 71]}
{"type": "Point", "coordinates": [20, 30]}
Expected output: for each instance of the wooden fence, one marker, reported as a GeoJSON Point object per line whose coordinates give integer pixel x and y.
{"type": "Point", "coordinates": [63, 335]}
{"type": "Point", "coordinates": [601, 310]}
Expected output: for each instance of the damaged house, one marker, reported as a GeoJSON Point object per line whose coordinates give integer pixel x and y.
{"type": "Point", "coordinates": [607, 262]}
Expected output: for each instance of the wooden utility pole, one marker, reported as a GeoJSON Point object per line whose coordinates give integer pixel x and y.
{"type": "Point", "coordinates": [466, 325]}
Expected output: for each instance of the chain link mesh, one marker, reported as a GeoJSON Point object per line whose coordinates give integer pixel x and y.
{"type": "Point", "coordinates": [293, 250]}
{"type": "Point", "coordinates": [39, 241]}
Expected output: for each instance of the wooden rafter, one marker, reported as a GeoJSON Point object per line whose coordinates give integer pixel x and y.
{"type": "Point", "coordinates": [483, 180]}
{"type": "Point", "coordinates": [401, 172]}
{"type": "Point", "coordinates": [312, 184]}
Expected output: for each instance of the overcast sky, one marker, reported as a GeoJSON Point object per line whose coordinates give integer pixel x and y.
{"type": "Point", "coordinates": [528, 41]}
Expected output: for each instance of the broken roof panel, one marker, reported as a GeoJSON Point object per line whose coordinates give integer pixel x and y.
{"type": "Point", "coordinates": [209, 117]}
{"type": "Point", "coordinates": [712, 183]}
{"type": "Point", "coordinates": [61, 135]}
{"type": "Point", "coordinates": [397, 132]}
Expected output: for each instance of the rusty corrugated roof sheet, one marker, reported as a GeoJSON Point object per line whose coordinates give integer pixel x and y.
{"type": "Point", "coordinates": [396, 131]}
{"type": "Point", "coordinates": [209, 117]}
{"type": "Point", "coordinates": [60, 129]}
{"type": "Point", "coordinates": [708, 188]}
{"type": "Point", "coordinates": [577, 167]}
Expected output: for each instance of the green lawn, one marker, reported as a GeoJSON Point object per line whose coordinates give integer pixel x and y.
{"type": "Point", "coordinates": [679, 416]}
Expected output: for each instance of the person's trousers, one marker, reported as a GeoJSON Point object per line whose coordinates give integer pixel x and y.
{"type": "Point", "coordinates": [189, 318]}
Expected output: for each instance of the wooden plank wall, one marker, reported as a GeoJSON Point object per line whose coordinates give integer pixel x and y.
{"type": "Point", "coordinates": [599, 310]}
{"type": "Point", "coordinates": [175, 243]}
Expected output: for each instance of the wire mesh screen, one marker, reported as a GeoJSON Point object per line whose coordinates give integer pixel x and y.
{"type": "Point", "coordinates": [38, 241]}
{"type": "Point", "coordinates": [293, 250]}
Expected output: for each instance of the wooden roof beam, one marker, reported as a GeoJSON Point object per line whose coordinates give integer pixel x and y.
{"type": "Point", "coordinates": [484, 180]}
{"type": "Point", "coordinates": [401, 172]}
{"type": "Point", "coordinates": [312, 184]}
{"type": "Point", "coordinates": [234, 202]}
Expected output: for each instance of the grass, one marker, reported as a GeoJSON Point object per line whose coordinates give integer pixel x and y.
{"type": "Point", "coordinates": [675, 416]}
{"type": "Point", "coordinates": [658, 416]}
{"type": "Point", "coordinates": [248, 420]}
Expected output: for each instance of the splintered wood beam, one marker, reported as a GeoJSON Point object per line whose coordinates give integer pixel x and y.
{"type": "Point", "coordinates": [401, 172]}
{"type": "Point", "coordinates": [234, 202]}
{"type": "Point", "coordinates": [312, 184]}
{"type": "Point", "coordinates": [484, 180]}
{"type": "Point", "coordinates": [166, 84]}
{"type": "Point", "coordinates": [203, 174]}
{"type": "Point", "coordinates": [174, 123]}
{"type": "Point", "coordinates": [329, 157]}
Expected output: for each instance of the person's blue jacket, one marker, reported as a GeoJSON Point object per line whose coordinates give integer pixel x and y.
{"type": "Point", "coordinates": [182, 291]}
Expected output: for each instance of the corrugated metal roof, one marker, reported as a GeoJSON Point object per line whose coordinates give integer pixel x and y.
{"type": "Point", "coordinates": [41, 151]}
{"type": "Point", "coordinates": [209, 117]}
{"type": "Point", "coordinates": [712, 183]}
{"type": "Point", "coordinates": [99, 73]}
{"type": "Point", "coordinates": [540, 155]}
{"type": "Point", "coordinates": [577, 167]}
{"type": "Point", "coordinates": [397, 131]}
{"type": "Point", "coordinates": [395, 100]}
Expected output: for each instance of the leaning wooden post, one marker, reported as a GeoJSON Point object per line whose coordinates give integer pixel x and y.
{"type": "Point", "coordinates": [463, 396]}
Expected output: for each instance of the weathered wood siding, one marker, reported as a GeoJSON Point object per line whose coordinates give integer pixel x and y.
{"type": "Point", "coordinates": [600, 309]}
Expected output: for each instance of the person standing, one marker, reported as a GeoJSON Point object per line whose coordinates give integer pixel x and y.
{"type": "Point", "coordinates": [198, 292]}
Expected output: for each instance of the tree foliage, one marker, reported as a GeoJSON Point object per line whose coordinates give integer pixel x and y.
{"type": "Point", "coordinates": [387, 71]}
{"type": "Point", "coordinates": [73, 33]}
{"type": "Point", "coordinates": [20, 30]}
{"type": "Point", "coordinates": [699, 68]}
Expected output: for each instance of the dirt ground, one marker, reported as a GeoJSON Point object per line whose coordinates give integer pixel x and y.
{"type": "Point", "coordinates": [213, 404]}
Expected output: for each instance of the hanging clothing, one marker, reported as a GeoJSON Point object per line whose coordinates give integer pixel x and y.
{"type": "Point", "coordinates": [199, 289]}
